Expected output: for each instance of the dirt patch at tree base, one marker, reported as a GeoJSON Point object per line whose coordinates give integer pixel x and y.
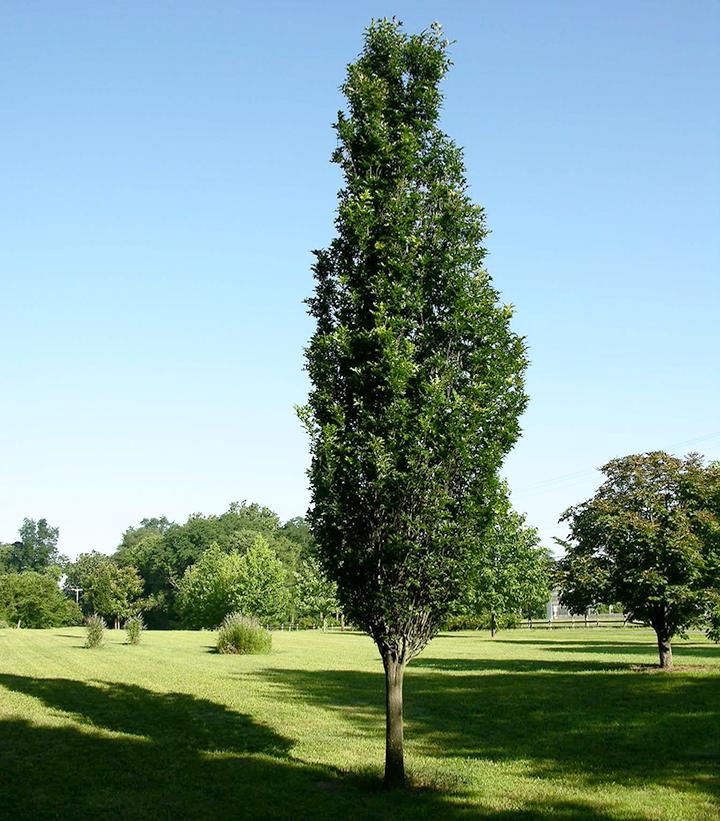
{"type": "Point", "coordinates": [676, 668]}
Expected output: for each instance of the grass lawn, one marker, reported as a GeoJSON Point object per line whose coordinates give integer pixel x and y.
{"type": "Point", "coordinates": [533, 724]}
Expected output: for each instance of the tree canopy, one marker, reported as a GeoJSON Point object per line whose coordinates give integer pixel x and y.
{"type": "Point", "coordinates": [36, 549]}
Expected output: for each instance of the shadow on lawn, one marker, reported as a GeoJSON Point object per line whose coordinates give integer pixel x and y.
{"type": "Point", "coordinates": [618, 647]}
{"type": "Point", "coordinates": [173, 756]}
{"type": "Point", "coordinates": [599, 728]}
{"type": "Point", "coordinates": [60, 772]}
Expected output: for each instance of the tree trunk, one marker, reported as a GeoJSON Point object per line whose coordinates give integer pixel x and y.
{"type": "Point", "coordinates": [493, 625]}
{"type": "Point", "coordinates": [665, 651]}
{"type": "Point", "coordinates": [394, 761]}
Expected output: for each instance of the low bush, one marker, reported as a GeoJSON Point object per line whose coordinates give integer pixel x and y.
{"type": "Point", "coordinates": [95, 626]}
{"type": "Point", "coordinates": [242, 634]}
{"type": "Point", "coordinates": [134, 627]}
{"type": "Point", "coordinates": [4, 625]}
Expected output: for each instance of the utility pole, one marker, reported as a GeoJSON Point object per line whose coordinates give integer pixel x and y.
{"type": "Point", "coordinates": [77, 591]}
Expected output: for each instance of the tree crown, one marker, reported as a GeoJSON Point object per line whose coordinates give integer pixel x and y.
{"type": "Point", "coordinates": [416, 374]}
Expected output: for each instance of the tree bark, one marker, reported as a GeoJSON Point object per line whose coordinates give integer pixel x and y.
{"type": "Point", "coordinates": [394, 760]}
{"type": "Point", "coordinates": [665, 651]}
{"type": "Point", "coordinates": [493, 625]}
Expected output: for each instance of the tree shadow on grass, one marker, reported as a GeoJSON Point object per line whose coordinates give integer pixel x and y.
{"type": "Point", "coordinates": [604, 646]}
{"type": "Point", "coordinates": [120, 751]}
{"type": "Point", "coordinates": [599, 728]}
{"type": "Point", "coordinates": [62, 772]}
{"type": "Point", "coordinates": [479, 665]}
{"type": "Point", "coordinates": [167, 719]}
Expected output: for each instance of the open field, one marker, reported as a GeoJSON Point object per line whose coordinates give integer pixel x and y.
{"type": "Point", "coordinates": [533, 724]}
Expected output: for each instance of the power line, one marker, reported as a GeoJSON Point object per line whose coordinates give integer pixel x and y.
{"type": "Point", "coordinates": [579, 477]}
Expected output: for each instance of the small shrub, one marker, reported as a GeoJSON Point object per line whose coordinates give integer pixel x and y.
{"type": "Point", "coordinates": [242, 634]}
{"type": "Point", "coordinates": [4, 625]}
{"type": "Point", "coordinates": [95, 626]}
{"type": "Point", "coordinates": [133, 629]}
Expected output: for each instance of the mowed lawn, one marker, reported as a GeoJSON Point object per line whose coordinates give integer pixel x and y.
{"type": "Point", "coordinates": [532, 724]}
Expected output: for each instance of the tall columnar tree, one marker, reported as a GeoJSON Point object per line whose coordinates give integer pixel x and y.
{"type": "Point", "coordinates": [417, 378]}
{"type": "Point", "coordinates": [650, 539]}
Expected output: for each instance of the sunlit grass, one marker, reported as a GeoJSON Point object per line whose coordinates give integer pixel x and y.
{"type": "Point", "coordinates": [533, 724]}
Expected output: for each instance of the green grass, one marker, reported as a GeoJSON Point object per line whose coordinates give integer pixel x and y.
{"type": "Point", "coordinates": [559, 724]}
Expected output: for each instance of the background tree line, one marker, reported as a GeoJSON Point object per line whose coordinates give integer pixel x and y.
{"type": "Point", "coordinates": [247, 560]}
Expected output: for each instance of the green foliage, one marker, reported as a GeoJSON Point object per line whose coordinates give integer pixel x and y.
{"type": "Point", "coordinates": [315, 595]}
{"type": "Point", "coordinates": [34, 600]}
{"type": "Point", "coordinates": [94, 631]}
{"type": "Point", "coordinates": [134, 627]}
{"type": "Point", "coordinates": [297, 530]}
{"type": "Point", "coordinates": [241, 634]}
{"type": "Point", "coordinates": [80, 573]}
{"type": "Point", "coordinates": [650, 539]}
{"type": "Point", "coordinates": [253, 582]}
{"type": "Point", "coordinates": [113, 591]}
{"type": "Point", "coordinates": [4, 624]}
{"type": "Point", "coordinates": [162, 551]}
{"type": "Point", "coordinates": [417, 377]}
{"type": "Point", "coordinates": [484, 620]}
{"type": "Point", "coordinates": [36, 550]}
{"type": "Point", "coordinates": [509, 573]}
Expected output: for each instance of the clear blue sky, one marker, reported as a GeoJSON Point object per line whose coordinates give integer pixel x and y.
{"type": "Point", "coordinates": [164, 175]}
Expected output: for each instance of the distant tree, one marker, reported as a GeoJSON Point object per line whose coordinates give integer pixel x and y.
{"type": "Point", "coordinates": [298, 531]}
{"type": "Point", "coordinates": [263, 589]}
{"type": "Point", "coordinates": [417, 377]}
{"type": "Point", "coordinates": [149, 528]}
{"type": "Point", "coordinates": [36, 550]}
{"type": "Point", "coordinates": [509, 571]}
{"type": "Point", "coordinates": [315, 594]}
{"type": "Point", "coordinates": [650, 539]}
{"type": "Point", "coordinates": [253, 583]}
{"type": "Point", "coordinates": [206, 589]}
{"type": "Point", "coordinates": [78, 576]}
{"type": "Point", "coordinates": [6, 557]}
{"type": "Point", "coordinates": [31, 599]}
{"type": "Point", "coordinates": [113, 591]}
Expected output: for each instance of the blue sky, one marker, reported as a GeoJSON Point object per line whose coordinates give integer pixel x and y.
{"type": "Point", "coordinates": [165, 174]}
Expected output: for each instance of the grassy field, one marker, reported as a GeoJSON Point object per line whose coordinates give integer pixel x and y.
{"type": "Point", "coordinates": [533, 724]}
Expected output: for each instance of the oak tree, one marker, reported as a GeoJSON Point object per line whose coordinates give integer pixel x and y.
{"type": "Point", "coordinates": [417, 377]}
